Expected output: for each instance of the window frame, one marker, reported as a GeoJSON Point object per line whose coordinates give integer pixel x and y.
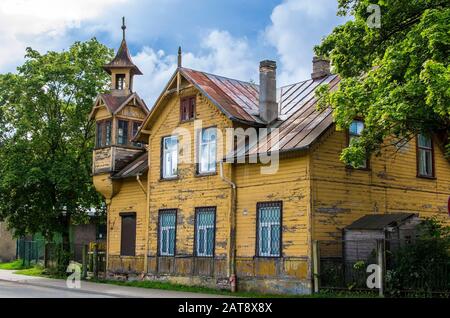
{"type": "Point", "coordinates": [103, 124]}
{"type": "Point", "coordinates": [161, 212]}
{"type": "Point", "coordinates": [132, 135]}
{"type": "Point", "coordinates": [122, 76]}
{"type": "Point", "coordinates": [348, 139]}
{"type": "Point", "coordinates": [431, 149]}
{"type": "Point", "coordinates": [126, 136]}
{"type": "Point", "coordinates": [162, 160]}
{"type": "Point", "coordinates": [257, 243]}
{"type": "Point", "coordinates": [199, 153]}
{"type": "Point", "coordinates": [191, 108]}
{"type": "Point", "coordinates": [198, 210]}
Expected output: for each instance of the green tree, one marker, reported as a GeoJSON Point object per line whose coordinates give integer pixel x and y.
{"type": "Point", "coordinates": [46, 139]}
{"type": "Point", "coordinates": [396, 77]}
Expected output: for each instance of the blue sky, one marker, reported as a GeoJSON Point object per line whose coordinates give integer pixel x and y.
{"type": "Point", "coordinates": [228, 38]}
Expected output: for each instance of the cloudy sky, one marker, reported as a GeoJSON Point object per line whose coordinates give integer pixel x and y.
{"type": "Point", "coordinates": [228, 38]}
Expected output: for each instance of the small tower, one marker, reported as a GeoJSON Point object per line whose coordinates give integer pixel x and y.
{"type": "Point", "coordinates": [122, 69]}
{"type": "Point", "coordinates": [118, 115]}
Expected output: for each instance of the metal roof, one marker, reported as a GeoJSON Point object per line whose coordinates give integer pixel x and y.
{"type": "Point", "coordinates": [122, 60]}
{"type": "Point", "coordinates": [136, 167]}
{"type": "Point", "coordinates": [380, 221]}
{"type": "Point", "coordinates": [237, 99]}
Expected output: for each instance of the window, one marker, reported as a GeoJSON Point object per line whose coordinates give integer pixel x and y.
{"type": "Point", "coordinates": [122, 132]}
{"type": "Point", "coordinates": [136, 126]}
{"type": "Point", "coordinates": [128, 234]}
{"type": "Point", "coordinates": [103, 133]}
{"type": "Point", "coordinates": [425, 156]}
{"type": "Point", "coordinates": [167, 230]}
{"type": "Point", "coordinates": [205, 227]}
{"type": "Point", "coordinates": [120, 81]}
{"type": "Point", "coordinates": [354, 132]}
{"type": "Point", "coordinates": [269, 229]}
{"type": "Point", "coordinates": [169, 157]}
{"type": "Point", "coordinates": [207, 149]}
{"type": "Point", "coordinates": [187, 108]}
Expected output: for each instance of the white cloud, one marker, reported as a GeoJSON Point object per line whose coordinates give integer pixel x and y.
{"type": "Point", "coordinates": [41, 24]}
{"type": "Point", "coordinates": [222, 54]}
{"type": "Point", "coordinates": [298, 25]}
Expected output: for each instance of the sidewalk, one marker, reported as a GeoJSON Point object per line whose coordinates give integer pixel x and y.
{"type": "Point", "coordinates": [105, 290]}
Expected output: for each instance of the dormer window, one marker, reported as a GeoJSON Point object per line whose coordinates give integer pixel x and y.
{"type": "Point", "coordinates": [120, 81]}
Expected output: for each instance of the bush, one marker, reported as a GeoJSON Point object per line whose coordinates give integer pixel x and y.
{"type": "Point", "coordinates": [423, 266]}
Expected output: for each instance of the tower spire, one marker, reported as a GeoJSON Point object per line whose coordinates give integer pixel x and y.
{"type": "Point", "coordinates": [179, 56]}
{"type": "Point", "coordinates": [123, 28]}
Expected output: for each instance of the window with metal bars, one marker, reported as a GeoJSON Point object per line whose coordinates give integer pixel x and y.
{"type": "Point", "coordinates": [269, 229]}
{"type": "Point", "coordinates": [167, 232]}
{"type": "Point", "coordinates": [205, 227]}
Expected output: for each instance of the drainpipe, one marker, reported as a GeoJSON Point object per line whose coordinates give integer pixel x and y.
{"type": "Point", "coordinates": [232, 233]}
{"type": "Point", "coordinates": [138, 179]}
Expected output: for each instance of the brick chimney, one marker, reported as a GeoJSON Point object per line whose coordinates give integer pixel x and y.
{"type": "Point", "coordinates": [268, 106]}
{"type": "Point", "coordinates": [321, 67]}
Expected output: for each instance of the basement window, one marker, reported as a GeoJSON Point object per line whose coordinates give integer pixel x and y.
{"type": "Point", "coordinates": [425, 164]}
{"type": "Point", "coordinates": [269, 229]}
{"type": "Point", "coordinates": [205, 227]}
{"type": "Point", "coordinates": [167, 230]}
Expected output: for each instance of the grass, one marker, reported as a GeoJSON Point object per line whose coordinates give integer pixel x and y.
{"type": "Point", "coordinates": [32, 271]}
{"type": "Point", "coordinates": [205, 290]}
{"type": "Point", "coordinates": [14, 265]}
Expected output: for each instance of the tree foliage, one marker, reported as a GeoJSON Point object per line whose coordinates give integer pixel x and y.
{"type": "Point", "coordinates": [396, 77]}
{"type": "Point", "coordinates": [46, 138]}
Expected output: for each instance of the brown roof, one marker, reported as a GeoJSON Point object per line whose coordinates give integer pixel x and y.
{"type": "Point", "coordinates": [300, 123]}
{"type": "Point", "coordinates": [122, 60]}
{"type": "Point", "coordinates": [380, 221]}
{"type": "Point", "coordinates": [237, 99]}
{"type": "Point", "coordinates": [136, 167]}
{"type": "Point", "coordinates": [114, 102]}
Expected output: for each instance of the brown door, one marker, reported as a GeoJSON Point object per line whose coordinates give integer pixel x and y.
{"type": "Point", "coordinates": [128, 234]}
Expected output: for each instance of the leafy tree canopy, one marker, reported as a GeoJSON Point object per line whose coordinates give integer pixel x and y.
{"type": "Point", "coordinates": [396, 77]}
{"type": "Point", "coordinates": [46, 138]}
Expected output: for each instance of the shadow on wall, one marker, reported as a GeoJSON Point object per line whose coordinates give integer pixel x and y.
{"type": "Point", "coordinates": [7, 244]}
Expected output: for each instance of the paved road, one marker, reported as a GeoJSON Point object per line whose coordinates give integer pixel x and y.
{"type": "Point", "coordinates": [13, 285]}
{"type": "Point", "coordinates": [21, 290]}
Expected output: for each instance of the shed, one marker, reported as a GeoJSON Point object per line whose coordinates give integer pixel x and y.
{"type": "Point", "coordinates": [360, 237]}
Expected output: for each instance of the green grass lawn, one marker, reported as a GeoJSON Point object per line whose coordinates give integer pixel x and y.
{"type": "Point", "coordinates": [17, 264]}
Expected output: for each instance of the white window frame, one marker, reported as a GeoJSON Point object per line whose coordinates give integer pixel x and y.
{"type": "Point", "coordinates": [173, 154]}
{"type": "Point", "coordinates": [268, 225]}
{"type": "Point", "coordinates": [167, 228]}
{"type": "Point", "coordinates": [211, 158]}
{"type": "Point", "coordinates": [205, 237]}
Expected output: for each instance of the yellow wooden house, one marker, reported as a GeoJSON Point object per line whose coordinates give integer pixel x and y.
{"type": "Point", "coordinates": [226, 183]}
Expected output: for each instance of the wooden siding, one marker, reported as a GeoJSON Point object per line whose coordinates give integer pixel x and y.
{"type": "Point", "coordinates": [188, 191]}
{"type": "Point", "coordinates": [131, 198]}
{"type": "Point", "coordinates": [341, 195]}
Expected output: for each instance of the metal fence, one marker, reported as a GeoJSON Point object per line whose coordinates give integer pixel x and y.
{"type": "Point", "coordinates": [380, 266]}
{"type": "Point", "coordinates": [53, 257]}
